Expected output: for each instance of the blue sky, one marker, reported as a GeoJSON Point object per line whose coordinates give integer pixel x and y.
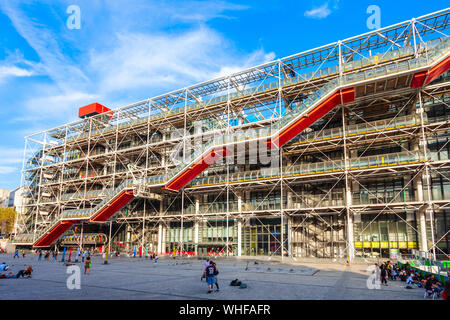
{"type": "Point", "coordinates": [126, 51]}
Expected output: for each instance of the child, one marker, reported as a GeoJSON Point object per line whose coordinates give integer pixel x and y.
{"type": "Point", "coordinates": [87, 265]}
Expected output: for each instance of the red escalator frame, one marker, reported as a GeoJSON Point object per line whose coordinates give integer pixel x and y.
{"type": "Point", "coordinates": [438, 69]}
{"type": "Point", "coordinates": [117, 203]}
{"type": "Point", "coordinates": [191, 172]}
{"type": "Point", "coordinates": [58, 229]}
{"type": "Point", "coordinates": [342, 96]}
{"type": "Point", "coordinates": [425, 77]}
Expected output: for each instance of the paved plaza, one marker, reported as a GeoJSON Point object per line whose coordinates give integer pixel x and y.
{"type": "Point", "coordinates": [134, 278]}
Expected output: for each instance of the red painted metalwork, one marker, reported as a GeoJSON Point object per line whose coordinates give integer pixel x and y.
{"type": "Point", "coordinates": [93, 109]}
{"type": "Point", "coordinates": [437, 70]}
{"type": "Point", "coordinates": [115, 205]}
{"type": "Point", "coordinates": [47, 239]}
{"type": "Point", "coordinates": [418, 79]}
{"type": "Point", "coordinates": [342, 96]}
{"type": "Point", "coordinates": [190, 173]}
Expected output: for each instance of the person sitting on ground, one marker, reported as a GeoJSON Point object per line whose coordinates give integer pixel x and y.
{"type": "Point", "coordinates": [418, 280]}
{"type": "Point", "coordinates": [428, 285]}
{"type": "Point", "coordinates": [4, 267]}
{"type": "Point", "coordinates": [445, 294]}
{"type": "Point", "coordinates": [410, 279]}
{"type": "Point", "coordinates": [27, 272]}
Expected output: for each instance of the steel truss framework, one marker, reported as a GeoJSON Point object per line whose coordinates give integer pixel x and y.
{"type": "Point", "coordinates": [321, 176]}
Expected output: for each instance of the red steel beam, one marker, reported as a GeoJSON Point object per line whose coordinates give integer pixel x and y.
{"type": "Point", "coordinates": [54, 233]}
{"type": "Point", "coordinates": [342, 96]}
{"type": "Point", "coordinates": [190, 173]}
{"type": "Point", "coordinates": [118, 202]}
{"type": "Point", "coordinates": [437, 70]}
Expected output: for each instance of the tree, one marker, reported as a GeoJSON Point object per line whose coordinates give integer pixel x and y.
{"type": "Point", "coordinates": [7, 220]}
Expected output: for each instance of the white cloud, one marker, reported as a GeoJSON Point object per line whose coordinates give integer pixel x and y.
{"type": "Point", "coordinates": [127, 65]}
{"type": "Point", "coordinates": [55, 64]}
{"type": "Point", "coordinates": [14, 65]}
{"type": "Point", "coordinates": [11, 160]}
{"type": "Point", "coordinates": [14, 71]}
{"type": "Point", "coordinates": [167, 60]}
{"type": "Point", "coordinates": [8, 169]}
{"type": "Point", "coordinates": [255, 58]}
{"type": "Point", "coordinates": [318, 13]}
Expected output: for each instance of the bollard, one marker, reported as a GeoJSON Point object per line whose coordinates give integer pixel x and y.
{"type": "Point", "coordinates": [106, 256]}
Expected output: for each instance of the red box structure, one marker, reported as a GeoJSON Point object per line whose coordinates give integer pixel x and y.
{"type": "Point", "coordinates": [92, 109]}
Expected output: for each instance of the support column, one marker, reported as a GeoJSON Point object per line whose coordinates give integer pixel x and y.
{"type": "Point", "coordinates": [160, 231]}
{"type": "Point", "coordinates": [128, 237]}
{"type": "Point", "coordinates": [348, 191]}
{"type": "Point", "coordinates": [197, 211]}
{"type": "Point", "coordinates": [289, 236]}
{"type": "Point", "coordinates": [239, 226]}
{"type": "Point", "coordinates": [355, 189]}
{"type": "Point", "coordinates": [423, 242]}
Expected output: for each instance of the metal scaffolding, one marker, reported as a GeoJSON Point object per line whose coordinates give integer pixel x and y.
{"type": "Point", "coordinates": [373, 161]}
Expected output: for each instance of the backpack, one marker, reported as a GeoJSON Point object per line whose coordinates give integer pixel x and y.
{"type": "Point", "coordinates": [235, 283]}
{"type": "Point", "coordinates": [216, 271]}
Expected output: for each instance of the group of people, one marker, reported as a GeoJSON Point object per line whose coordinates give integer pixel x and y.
{"type": "Point", "coordinates": [389, 271]}
{"type": "Point", "coordinates": [21, 273]}
{"type": "Point", "coordinates": [210, 272]}
{"type": "Point", "coordinates": [16, 254]}
{"type": "Point", "coordinates": [47, 255]}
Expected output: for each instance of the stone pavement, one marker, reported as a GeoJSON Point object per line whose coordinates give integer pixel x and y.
{"type": "Point", "coordinates": [128, 278]}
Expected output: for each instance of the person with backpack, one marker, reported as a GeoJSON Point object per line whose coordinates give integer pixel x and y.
{"type": "Point", "coordinates": [205, 265]}
{"type": "Point", "coordinates": [210, 274]}
{"type": "Point", "coordinates": [216, 273]}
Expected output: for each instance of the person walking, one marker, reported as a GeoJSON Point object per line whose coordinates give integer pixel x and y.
{"type": "Point", "coordinates": [215, 274]}
{"type": "Point", "coordinates": [210, 274]}
{"type": "Point", "coordinates": [40, 255]}
{"type": "Point", "coordinates": [83, 255]}
{"type": "Point", "coordinates": [23, 254]}
{"type": "Point", "coordinates": [16, 254]}
{"type": "Point", "coordinates": [87, 265]}
{"type": "Point", "coordinates": [383, 274]}
{"type": "Point", "coordinates": [205, 265]}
